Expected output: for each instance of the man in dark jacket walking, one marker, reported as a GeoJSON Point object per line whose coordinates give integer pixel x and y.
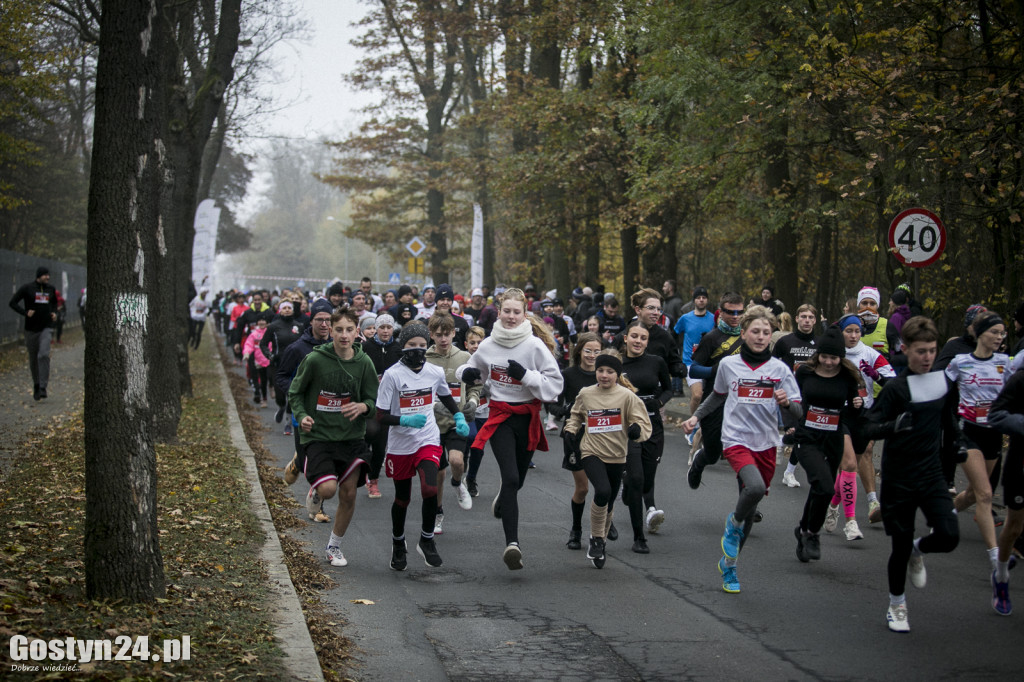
{"type": "Point", "coordinates": [37, 303]}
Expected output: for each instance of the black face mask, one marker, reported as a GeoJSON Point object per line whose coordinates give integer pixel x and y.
{"type": "Point", "coordinates": [414, 358]}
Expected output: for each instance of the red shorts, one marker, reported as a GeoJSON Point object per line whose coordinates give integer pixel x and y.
{"type": "Point", "coordinates": [739, 456]}
{"type": "Point", "coordinates": [402, 467]}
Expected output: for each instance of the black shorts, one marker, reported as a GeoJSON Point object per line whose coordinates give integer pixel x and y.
{"type": "Point", "coordinates": [983, 438]}
{"type": "Point", "coordinates": [1013, 480]}
{"type": "Point", "coordinates": [900, 504]}
{"type": "Point", "coordinates": [337, 460]}
{"type": "Point", "coordinates": [451, 441]}
{"type": "Point", "coordinates": [857, 438]}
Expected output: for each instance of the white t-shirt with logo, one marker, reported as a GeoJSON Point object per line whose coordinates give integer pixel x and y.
{"type": "Point", "coordinates": [404, 392]}
{"type": "Point", "coordinates": [979, 382]}
{"type": "Point", "coordinates": [751, 415]}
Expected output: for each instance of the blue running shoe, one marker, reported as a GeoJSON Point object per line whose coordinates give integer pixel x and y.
{"type": "Point", "coordinates": [730, 583]}
{"type": "Point", "coordinates": [691, 434]}
{"type": "Point", "coordinates": [1001, 597]}
{"type": "Point", "coordinates": [731, 538]}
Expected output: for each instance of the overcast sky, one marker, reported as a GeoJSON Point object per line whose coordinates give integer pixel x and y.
{"type": "Point", "coordinates": [318, 102]}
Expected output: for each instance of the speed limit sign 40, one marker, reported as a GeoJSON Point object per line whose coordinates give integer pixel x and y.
{"type": "Point", "coordinates": [917, 237]}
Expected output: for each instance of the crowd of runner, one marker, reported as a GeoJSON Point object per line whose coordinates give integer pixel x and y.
{"type": "Point", "coordinates": [417, 383]}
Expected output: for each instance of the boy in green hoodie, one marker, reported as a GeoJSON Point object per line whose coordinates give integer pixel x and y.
{"type": "Point", "coordinates": [333, 394]}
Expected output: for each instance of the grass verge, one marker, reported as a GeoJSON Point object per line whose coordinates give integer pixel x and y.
{"type": "Point", "coordinates": [334, 650]}
{"type": "Point", "coordinates": [209, 540]}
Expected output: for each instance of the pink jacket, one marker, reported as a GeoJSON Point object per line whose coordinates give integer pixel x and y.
{"type": "Point", "coordinates": [252, 347]}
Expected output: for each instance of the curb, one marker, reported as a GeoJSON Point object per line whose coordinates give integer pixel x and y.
{"type": "Point", "coordinates": [300, 659]}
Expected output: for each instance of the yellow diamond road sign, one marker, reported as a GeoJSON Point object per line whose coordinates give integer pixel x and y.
{"type": "Point", "coordinates": [415, 246]}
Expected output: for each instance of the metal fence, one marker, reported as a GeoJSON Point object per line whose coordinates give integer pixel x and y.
{"type": "Point", "coordinates": [17, 269]}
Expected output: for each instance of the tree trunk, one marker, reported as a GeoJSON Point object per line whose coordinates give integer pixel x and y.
{"type": "Point", "coordinates": [782, 241]}
{"type": "Point", "coordinates": [122, 547]}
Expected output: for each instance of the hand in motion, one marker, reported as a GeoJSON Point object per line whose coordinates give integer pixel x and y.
{"type": "Point", "coordinates": [471, 376]}
{"type": "Point", "coordinates": [869, 371]}
{"type": "Point", "coordinates": [516, 371]}
{"type": "Point", "coordinates": [413, 421]}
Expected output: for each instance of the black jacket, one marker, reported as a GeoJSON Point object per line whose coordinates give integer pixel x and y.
{"type": "Point", "coordinates": [41, 298]}
{"type": "Point", "coordinates": [282, 332]}
{"type": "Point", "coordinates": [660, 343]}
{"type": "Point", "coordinates": [289, 361]}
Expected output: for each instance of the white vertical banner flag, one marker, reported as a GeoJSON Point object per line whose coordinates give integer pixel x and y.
{"type": "Point", "coordinates": [476, 251]}
{"type": "Point", "coordinates": [204, 246]}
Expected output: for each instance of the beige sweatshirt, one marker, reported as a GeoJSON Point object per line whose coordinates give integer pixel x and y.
{"type": "Point", "coordinates": [602, 417]}
{"type": "Point", "coordinates": [468, 396]}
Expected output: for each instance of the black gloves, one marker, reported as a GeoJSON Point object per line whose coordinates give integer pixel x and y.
{"type": "Point", "coordinates": [471, 376]}
{"type": "Point", "coordinates": [516, 371]}
{"type": "Point", "coordinates": [652, 404]}
{"type": "Point", "coordinates": [961, 450]}
{"type": "Point", "coordinates": [571, 441]}
{"type": "Point", "coordinates": [633, 432]}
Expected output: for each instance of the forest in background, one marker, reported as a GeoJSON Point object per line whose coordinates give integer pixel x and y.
{"type": "Point", "coordinates": [723, 143]}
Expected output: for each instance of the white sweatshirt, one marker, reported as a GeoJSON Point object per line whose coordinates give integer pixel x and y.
{"type": "Point", "coordinates": [543, 379]}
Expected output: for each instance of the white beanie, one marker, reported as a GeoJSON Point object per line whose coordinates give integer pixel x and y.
{"type": "Point", "coordinates": [868, 292]}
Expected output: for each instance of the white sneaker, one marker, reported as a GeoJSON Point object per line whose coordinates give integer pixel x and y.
{"type": "Point", "coordinates": [551, 425]}
{"type": "Point", "coordinates": [897, 618]}
{"type": "Point", "coordinates": [852, 530]}
{"type": "Point", "coordinates": [831, 519]}
{"type": "Point", "coordinates": [790, 480]}
{"type": "Point", "coordinates": [438, 524]}
{"type": "Point", "coordinates": [335, 556]}
{"type": "Point", "coordinates": [915, 569]}
{"type": "Point", "coordinates": [462, 492]}
{"type": "Point", "coordinates": [312, 503]}
{"type": "Point", "coordinates": [653, 520]}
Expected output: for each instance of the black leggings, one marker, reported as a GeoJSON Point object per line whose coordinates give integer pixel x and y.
{"type": "Point", "coordinates": [605, 477]}
{"type": "Point", "coordinates": [651, 451]}
{"type": "Point", "coordinates": [377, 439]}
{"type": "Point", "coordinates": [821, 464]}
{"type": "Point", "coordinates": [940, 540]}
{"type": "Point", "coordinates": [403, 494]}
{"type": "Point", "coordinates": [509, 445]}
{"type": "Point", "coordinates": [634, 481]}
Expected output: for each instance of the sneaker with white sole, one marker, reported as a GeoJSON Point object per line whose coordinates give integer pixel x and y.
{"type": "Point", "coordinates": [653, 520]}
{"type": "Point", "coordinates": [335, 556]}
{"type": "Point", "coordinates": [513, 557]}
{"type": "Point", "coordinates": [916, 571]}
{"type": "Point", "coordinates": [897, 618]}
{"type": "Point", "coordinates": [291, 471]}
{"type": "Point", "coordinates": [426, 549]}
{"type": "Point", "coordinates": [313, 503]}
{"type": "Point", "coordinates": [874, 511]}
{"type": "Point", "coordinates": [790, 480]}
{"type": "Point", "coordinates": [464, 498]}
{"type": "Point", "coordinates": [831, 519]}
{"type": "Point", "coordinates": [852, 530]}
{"type": "Point", "coordinates": [399, 551]}
{"type": "Point", "coordinates": [373, 489]}
{"type": "Point", "coordinates": [496, 504]}
{"type": "Point", "coordinates": [1001, 597]}
{"type": "Point", "coordinates": [439, 524]}
{"type": "Point", "coordinates": [596, 552]}
{"type": "Point", "coordinates": [551, 425]}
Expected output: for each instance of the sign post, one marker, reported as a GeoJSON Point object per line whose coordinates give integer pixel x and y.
{"type": "Point", "coordinates": [917, 237]}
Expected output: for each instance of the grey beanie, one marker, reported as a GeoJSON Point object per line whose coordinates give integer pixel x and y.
{"type": "Point", "coordinates": [412, 330]}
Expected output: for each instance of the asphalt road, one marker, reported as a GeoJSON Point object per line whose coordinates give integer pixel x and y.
{"type": "Point", "coordinates": [661, 616]}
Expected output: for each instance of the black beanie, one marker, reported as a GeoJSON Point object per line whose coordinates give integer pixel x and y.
{"type": "Point", "coordinates": [831, 343]}
{"type": "Point", "coordinates": [608, 360]}
{"type": "Point", "coordinates": [412, 330]}
{"type": "Point", "coordinates": [42, 270]}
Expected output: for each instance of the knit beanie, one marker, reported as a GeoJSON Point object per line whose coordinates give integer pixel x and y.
{"type": "Point", "coordinates": [320, 305]}
{"type": "Point", "coordinates": [411, 331]}
{"type": "Point", "coordinates": [606, 360]}
{"type": "Point", "coordinates": [831, 343]}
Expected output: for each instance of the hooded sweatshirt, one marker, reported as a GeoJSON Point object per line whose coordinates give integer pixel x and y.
{"type": "Point", "coordinates": [467, 397]}
{"type": "Point", "coordinates": [323, 384]}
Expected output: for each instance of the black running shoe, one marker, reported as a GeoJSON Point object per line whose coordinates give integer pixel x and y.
{"type": "Point", "coordinates": [613, 532]}
{"type": "Point", "coordinates": [574, 539]}
{"type": "Point", "coordinates": [471, 487]}
{"type": "Point", "coordinates": [279, 415]}
{"type": "Point", "coordinates": [812, 543]}
{"type": "Point", "coordinates": [426, 549]}
{"type": "Point", "coordinates": [801, 548]}
{"type": "Point", "coordinates": [696, 470]}
{"type": "Point", "coordinates": [758, 516]}
{"type": "Point", "coordinates": [398, 556]}
{"type": "Point", "coordinates": [640, 546]}
{"type": "Point", "coordinates": [596, 552]}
